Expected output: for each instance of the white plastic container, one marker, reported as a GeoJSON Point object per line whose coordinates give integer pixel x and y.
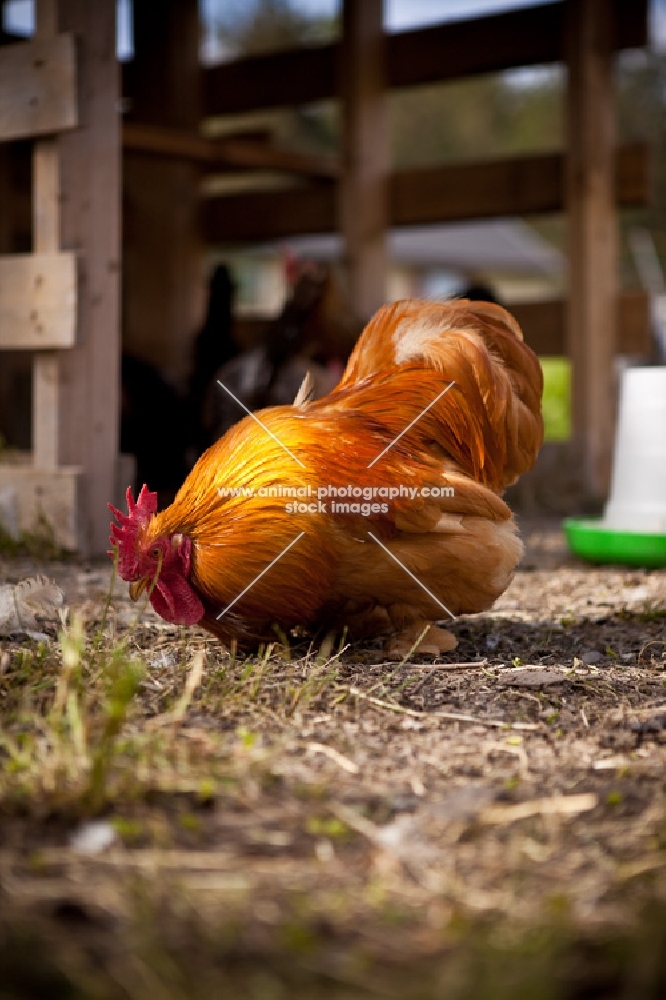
{"type": "Point", "coordinates": [637, 499]}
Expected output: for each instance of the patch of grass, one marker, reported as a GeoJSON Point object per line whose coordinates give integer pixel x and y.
{"type": "Point", "coordinates": [39, 543]}
{"type": "Point", "coordinates": [88, 723]}
{"type": "Point", "coordinates": [315, 822]}
{"type": "Point", "coordinates": [184, 952]}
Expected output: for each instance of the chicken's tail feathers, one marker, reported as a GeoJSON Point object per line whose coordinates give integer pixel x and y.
{"type": "Point", "coordinates": [490, 421]}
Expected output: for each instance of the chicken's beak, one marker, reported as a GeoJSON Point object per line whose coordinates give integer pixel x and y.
{"type": "Point", "coordinates": [137, 587]}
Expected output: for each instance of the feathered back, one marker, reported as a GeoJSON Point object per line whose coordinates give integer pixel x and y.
{"type": "Point", "coordinates": [489, 422]}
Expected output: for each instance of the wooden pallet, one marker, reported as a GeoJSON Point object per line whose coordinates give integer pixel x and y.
{"type": "Point", "coordinates": [61, 302]}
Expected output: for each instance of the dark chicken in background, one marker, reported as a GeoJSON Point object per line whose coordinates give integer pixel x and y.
{"type": "Point", "coordinates": [313, 333]}
{"type": "Point", "coordinates": [153, 427]}
{"type": "Point", "coordinates": [166, 431]}
{"type": "Point", "coordinates": [159, 426]}
{"type": "Point", "coordinates": [213, 347]}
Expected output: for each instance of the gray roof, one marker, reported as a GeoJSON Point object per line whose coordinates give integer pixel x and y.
{"type": "Point", "coordinates": [506, 245]}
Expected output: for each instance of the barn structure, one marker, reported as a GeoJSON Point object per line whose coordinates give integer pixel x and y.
{"type": "Point", "coordinates": [101, 171]}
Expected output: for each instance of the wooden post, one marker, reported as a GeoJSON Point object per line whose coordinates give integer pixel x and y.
{"type": "Point", "coordinates": [87, 190]}
{"type": "Point", "coordinates": [163, 267]}
{"type": "Point", "coordinates": [363, 192]}
{"type": "Point", "coordinates": [46, 239]}
{"type": "Point", "coordinates": [592, 319]}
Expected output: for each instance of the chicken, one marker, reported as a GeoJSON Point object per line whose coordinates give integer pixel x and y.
{"type": "Point", "coordinates": [313, 332]}
{"type": "Point", "coordinates": [377, 508]}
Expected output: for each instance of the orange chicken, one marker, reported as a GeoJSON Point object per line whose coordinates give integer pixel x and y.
{"type": "Point", "coordinates": [377, 508]}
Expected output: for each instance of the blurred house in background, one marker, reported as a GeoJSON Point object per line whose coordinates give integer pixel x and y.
{"type": "Point", "coordinates": [423, 261]}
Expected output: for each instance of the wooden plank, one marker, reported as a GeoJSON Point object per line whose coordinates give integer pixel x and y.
{"type": "Point", "coordinates": [544, 325]}
{"type": "Point", "coordinates": [46, 196]}
{"type": "Point", "coordinates": [50, 501]}
{"type": "Point", "coordinates": [528, 185]}
{"type": "Point", "coordinates": [363, 191]}
{"type": "Point", "coordinates": [46, 410]}
{"type": "Point", "coordinates": [281, 79]}
{"type": "Point", "coordinates": [525, 185]}
{"type": "Point", "coordinates": [222, 154]}
{"type": "Point", "coordinates": [90, 222]}
{"type": "Point", "coordinates": [593, 263]}
{"type": "Point", "coordinates": [46, 240]}
{"type": "Point", "coordinates": [37, 88]}
{"type": "Point", "coordinates": [520, 186]}
{"type": "Point", "coordinates": [169, 142]}
{"type": "Point", "coordinates": [46, 500]}
{"type": "Point", "coordinates": [237, 152]}
{"type": "Point", "coordinates": [526, 37]}
{"type": "Point", "coordinates": [37, 301]}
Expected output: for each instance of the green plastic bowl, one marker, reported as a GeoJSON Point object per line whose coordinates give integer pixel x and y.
{"type": "Point", "coordinates": [593, 541]}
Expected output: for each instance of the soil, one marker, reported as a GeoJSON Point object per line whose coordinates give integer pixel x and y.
{"type": "Point", "coordinates": [494, 818]}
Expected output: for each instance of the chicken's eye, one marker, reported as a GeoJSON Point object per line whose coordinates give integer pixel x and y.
{"type": "Point", "coordinates": [155, 552]}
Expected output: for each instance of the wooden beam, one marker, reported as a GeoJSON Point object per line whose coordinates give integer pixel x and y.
{"type": "Point", "coordinates": [281, 79]}
{"type": "Point", "coordinates": [222, 154]}
{"type": "Point", "coordinates": [37, 88]}
{"type": "Point", "coordinates": [525, 185]}
{"type": "Point", "coordinates": [528, 185]}
{"type": "Point", "coordinates": [247, 154]}
{"type": "Point", "coordinates": [163, 252]}
{"type": "Point", "coordinates": [527, 37]}
{"type": "Point", "coordinates": [90, 225]}
{"type": "Point", "coordinates": [522, 185]}
{"type": "Point", "coordinates": [544, 325]}
{"type": "Point", "coordinates": [363, 192]}
{"type": "Point", "coordinates": [268, 215]}
{"type": "Point", "coordinates": [37, 301]}
{"type": "Point", "coordinates": [592, 325]}
{"type": "Point", "coordinates": [170, 143]}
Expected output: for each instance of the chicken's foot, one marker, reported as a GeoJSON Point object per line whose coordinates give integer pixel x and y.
{"type": "Point", "coordinates": [435, 641]}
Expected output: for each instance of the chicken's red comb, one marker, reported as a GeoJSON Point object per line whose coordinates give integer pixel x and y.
{"type": "Point", "coordinates": [124, 535]}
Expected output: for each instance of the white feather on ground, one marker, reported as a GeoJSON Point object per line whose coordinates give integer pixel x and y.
{"type": "Point", "coordinates": [23, 605]}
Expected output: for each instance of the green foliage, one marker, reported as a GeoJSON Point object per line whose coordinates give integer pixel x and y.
{"type": "Point", "coordinates": [121, 682]}
{"type": "Point", "coordinates": [252, 27]}
{"type": "Point", "coordinates": [487, 116]}
{"type": "Point", "coordinates": [556, 406]}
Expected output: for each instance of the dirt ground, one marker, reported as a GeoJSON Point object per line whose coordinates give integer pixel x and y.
{"type": "Point", "coordinates": [320, 823]}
